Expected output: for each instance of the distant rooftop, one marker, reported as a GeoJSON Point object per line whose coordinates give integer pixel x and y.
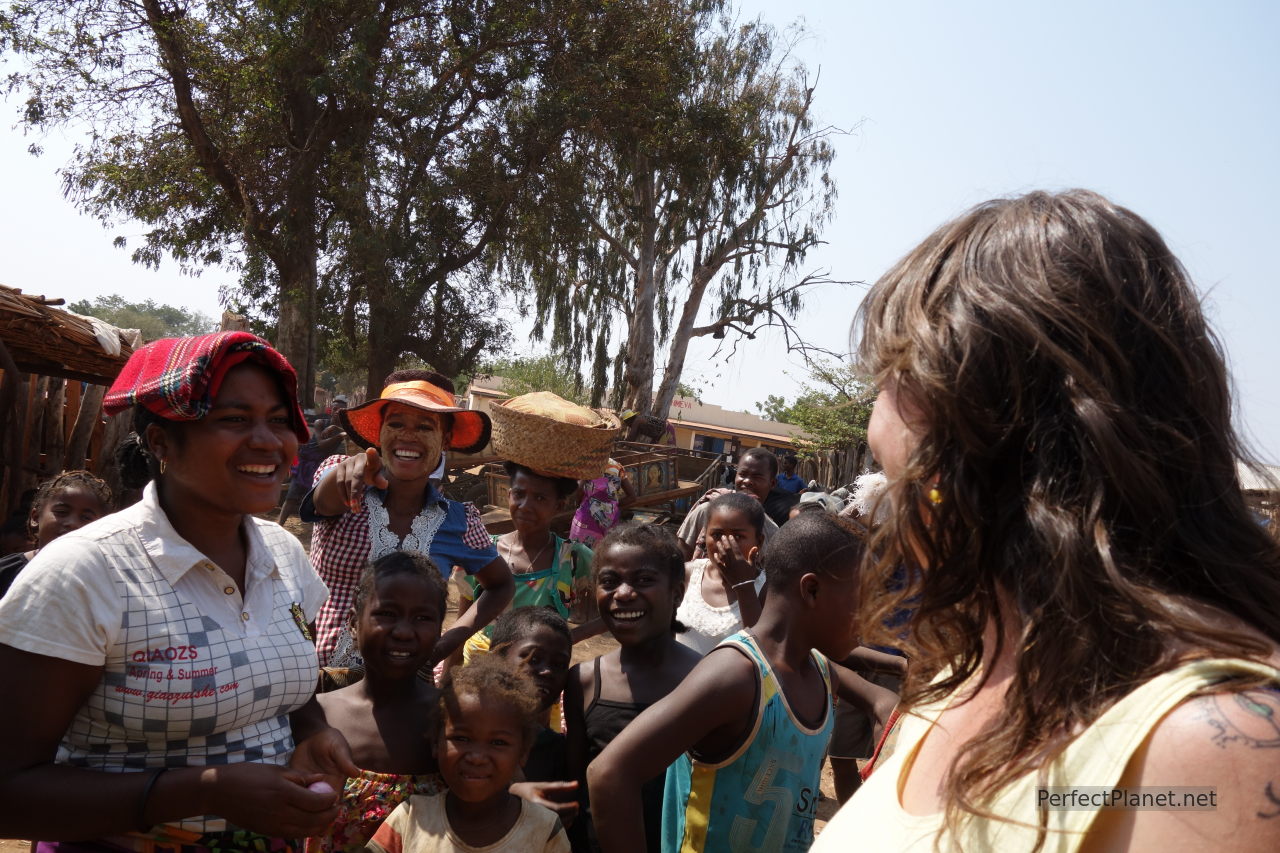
{"type": "Point", "coordinates": [1266, 481]}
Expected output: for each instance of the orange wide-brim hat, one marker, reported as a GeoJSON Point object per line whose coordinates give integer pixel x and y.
{"type": "Point", "coordinates": [364, 422]}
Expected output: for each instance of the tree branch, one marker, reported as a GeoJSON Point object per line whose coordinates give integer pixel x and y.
{"type": "Point", "coordinates": [208, 156]}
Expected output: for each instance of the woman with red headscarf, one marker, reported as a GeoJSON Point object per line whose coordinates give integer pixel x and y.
{"type": "Point", "coordinates": [162, 655]}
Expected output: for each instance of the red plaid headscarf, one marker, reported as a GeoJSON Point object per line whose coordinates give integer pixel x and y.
{"type": "Point", "coordinates": [177, 378]}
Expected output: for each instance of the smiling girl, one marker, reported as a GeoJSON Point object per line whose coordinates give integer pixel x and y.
{"type": "Point", "coordinates": [63, 503]}
{"type": "Point", "coordinates": [383, 500]}
{"type": "Point", "coordinates": [488, 717]}
{"type": "Point", "coordinates": [639, 575]}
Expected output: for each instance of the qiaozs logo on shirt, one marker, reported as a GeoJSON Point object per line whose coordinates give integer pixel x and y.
{"type": "Point", "coordinates": [169, 653]}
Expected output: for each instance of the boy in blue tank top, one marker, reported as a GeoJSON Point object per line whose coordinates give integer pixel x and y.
{"type": "Point", "coordinates": [744, 734]}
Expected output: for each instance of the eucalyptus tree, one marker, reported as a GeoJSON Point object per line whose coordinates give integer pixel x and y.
{"type": "Point", "coordinates": [704, 179]}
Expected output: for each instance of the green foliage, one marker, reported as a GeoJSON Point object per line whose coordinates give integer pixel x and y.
{"type": "Point", "coordinates": [539, 373]}
{"type": "Point", "coordinates": [833, 407]}
{"type": "Point", "coordinates": [775, 408]}
{"type": "Point", "coordinates": [706, 181]}
{"type": "Point", "coordinates": [154, 321]}
{"type": "Point", "coordinates": [352, 161]}
{"type": "Point", "coordinates": [690, 391]}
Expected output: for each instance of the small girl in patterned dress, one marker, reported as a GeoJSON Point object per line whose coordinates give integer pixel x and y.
{"type": "Point", "coordinates": [396, 618]}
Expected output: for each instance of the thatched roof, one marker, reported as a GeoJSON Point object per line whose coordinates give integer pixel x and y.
{"type": "Point", "coordinates": [1265, 480]}
{"type": "Point", "coordinates": [46, 340]}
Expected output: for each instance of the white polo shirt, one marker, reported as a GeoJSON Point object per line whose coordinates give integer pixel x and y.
{"type": "Point", "coordinates": [193, 673]}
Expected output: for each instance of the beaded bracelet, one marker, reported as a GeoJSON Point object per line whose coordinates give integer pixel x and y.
{"type": "Point", "coordinates": [142, 823]}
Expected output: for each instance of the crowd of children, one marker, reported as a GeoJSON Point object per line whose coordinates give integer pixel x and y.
{"type": "Point", "coordinates": [665, 737]}
{"type": "Point", "coordinates": [481, 763]}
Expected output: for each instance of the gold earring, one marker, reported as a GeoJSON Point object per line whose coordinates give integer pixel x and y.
{"type": "Point", "coordinates": [935, 496]}
{"type": "Point", "coordinates": [163, 465]}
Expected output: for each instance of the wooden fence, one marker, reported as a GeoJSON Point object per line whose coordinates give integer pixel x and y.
{"type": "Point", "coordinates": [53, 424]}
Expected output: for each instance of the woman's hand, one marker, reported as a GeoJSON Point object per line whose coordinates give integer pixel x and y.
{"type": "Point", "coordinates": [739, 575]}
{"type": "Point", "coordinates": [560, 797]}
{"type": "Point", "coordinates": [271, 800]}
{"type": "Point", "coordinates": [342, 489]}
{"type": "Point", "coordinates": [325, 755]}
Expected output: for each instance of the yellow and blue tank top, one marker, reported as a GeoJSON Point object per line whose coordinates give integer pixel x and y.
{"type": "Point", "coordinates": [764, 796]}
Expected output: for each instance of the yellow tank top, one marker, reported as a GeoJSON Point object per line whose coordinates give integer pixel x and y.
{"type": "Point", "coordinates": [875, 820]}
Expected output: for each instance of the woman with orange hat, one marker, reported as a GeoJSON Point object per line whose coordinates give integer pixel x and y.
{"type": "Point", "coordinates": [162, 656]}
{"type": "Point", "coordinates": [384, 500]}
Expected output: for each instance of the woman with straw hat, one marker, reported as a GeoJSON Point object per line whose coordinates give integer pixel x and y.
{"type": "Point", "coordinates": [384, 500]}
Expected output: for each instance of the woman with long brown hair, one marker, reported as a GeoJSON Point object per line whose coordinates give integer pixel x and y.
{"type": "Point", "coordinates": [1094, 605]}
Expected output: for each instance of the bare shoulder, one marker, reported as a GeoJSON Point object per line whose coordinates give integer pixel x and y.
{"type": "Point", "coordinates": [582, 676]}
{"type": "Point", "coordinates": [686, 658]}
{"type": "Point", "coordinates": [1225, 743]}
{"type": "Point", "coordinates": [726, 673]}
{"type": "Point", "coordinates": [1219, 736]}
{"type": "Point", "coordinates": [339, 703]}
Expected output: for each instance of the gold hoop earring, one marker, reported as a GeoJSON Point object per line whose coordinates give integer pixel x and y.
{"type": "Point", "coordinates": [163, 465]}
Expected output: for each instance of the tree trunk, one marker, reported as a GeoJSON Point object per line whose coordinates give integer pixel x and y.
{"type": "Point", "coordinates": [384, 349]}
{"type": "Point", "coordinates": [638, 374]}
{"type": "Point", "coordinates": [296, 264]}
{"type": "Point", "coordinates": [680, 343]}
{"type": "Point", "coordinates": [294, 332]}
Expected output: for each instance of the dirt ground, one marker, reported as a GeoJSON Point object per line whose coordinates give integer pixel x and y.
{"type": "Point", "coordinates": [586, 650]}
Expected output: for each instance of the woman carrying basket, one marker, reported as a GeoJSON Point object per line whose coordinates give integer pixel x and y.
{"type": "Point", "coordinates": [550, 443]}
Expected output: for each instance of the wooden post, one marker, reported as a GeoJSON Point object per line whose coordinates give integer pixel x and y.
{"type": "Point", "coordinates": [93, 456]}
{"type": "Point", "coordinates": [105, 464]}
{"type": "Point", "coordinates": [34, 446]}
{"type": "Point", "coordinates": [17, 440]}
{"type": "Point", "coordinates": [87, 418]}
{"type": "Point", "coordinates": [70, 403]}
{"type": "Point", "coordinates": [10, 385]}
{"type": "Point", "coordinates": [54, 435]}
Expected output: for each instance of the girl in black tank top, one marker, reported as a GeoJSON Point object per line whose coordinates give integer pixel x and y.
{"type": "Point", "coordinates": [639, 581]}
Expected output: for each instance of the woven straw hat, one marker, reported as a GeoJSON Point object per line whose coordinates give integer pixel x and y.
{"type": "Point", "coordinates": [554, 437]}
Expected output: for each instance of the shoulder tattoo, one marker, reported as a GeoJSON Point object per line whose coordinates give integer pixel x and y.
{"type": "Point", "coordinates": [1250, 718]}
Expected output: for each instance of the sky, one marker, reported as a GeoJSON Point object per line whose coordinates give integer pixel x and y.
{"type": "Point", "coordinates": [1171, 109]}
